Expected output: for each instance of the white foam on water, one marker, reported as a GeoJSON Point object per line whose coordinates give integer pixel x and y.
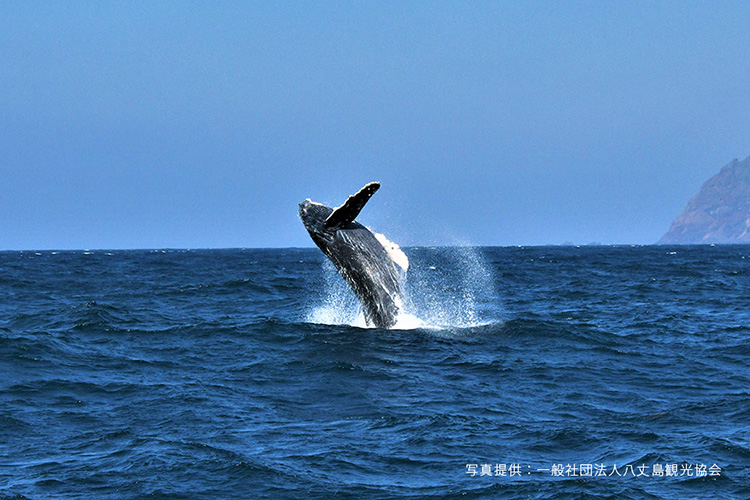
{"type": "Point", "coordinates": [340, 306]}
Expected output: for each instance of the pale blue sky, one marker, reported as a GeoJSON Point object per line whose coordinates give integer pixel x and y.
{"type": "Point", "coordinates": [203, 124]}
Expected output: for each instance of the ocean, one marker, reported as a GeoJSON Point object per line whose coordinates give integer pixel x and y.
{"type": "Point", "coordinates": [539, 372]}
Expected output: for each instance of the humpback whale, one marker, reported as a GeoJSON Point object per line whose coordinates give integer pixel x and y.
{"type": "Point", "coordinates": [367, 261]}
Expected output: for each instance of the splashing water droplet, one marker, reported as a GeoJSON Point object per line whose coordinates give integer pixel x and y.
{"type": "Point", "coordinates": [444, 288]}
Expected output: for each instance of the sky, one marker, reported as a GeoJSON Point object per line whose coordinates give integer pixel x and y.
{"type": "Point", "coordinates": [204, 124]}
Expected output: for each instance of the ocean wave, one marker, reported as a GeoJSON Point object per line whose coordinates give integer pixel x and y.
{"type": "Point", "coordinates": [201, 374]}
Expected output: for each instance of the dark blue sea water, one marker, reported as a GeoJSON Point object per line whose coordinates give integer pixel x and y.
{"type": "Point", "coordinates": [558, 372]}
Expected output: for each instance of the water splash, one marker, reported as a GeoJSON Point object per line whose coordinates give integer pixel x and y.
{"type": "Point", "coordinates": [340, 306]}
{"type": "Point", "coordinates": [448, 287]}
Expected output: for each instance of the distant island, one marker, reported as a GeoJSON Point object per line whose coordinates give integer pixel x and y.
{"type": "Point", "coordinates": [719, 213]}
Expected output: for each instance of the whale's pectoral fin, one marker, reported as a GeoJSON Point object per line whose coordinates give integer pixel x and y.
{"type": "Point", "coordinates": [351, 208]}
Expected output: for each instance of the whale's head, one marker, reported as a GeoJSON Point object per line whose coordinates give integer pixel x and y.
{"type": "Point", "coordinates": [314, 216]}
{"type": "Point", "coordinates": [324, 222]}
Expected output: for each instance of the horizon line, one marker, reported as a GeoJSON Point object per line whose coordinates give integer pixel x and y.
{"type": "Point", "coordinates": [186, 249]}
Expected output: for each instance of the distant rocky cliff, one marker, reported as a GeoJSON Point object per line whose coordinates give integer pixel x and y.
{"type": "Point", "coordinates": [719, 213]}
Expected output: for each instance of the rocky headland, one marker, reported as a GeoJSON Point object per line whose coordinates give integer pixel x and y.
{"type": "Point", "coordinates": [719, 213]}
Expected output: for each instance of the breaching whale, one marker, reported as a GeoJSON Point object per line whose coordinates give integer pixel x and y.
{"type": "Point", "coordinates": [367, 261]}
